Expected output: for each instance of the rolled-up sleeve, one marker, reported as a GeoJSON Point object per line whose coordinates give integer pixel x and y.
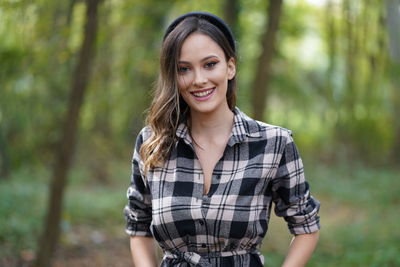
{"type": "Point", "coordinates": [291, 193]}
{"type": "Point", "coordinates": [138, 210]}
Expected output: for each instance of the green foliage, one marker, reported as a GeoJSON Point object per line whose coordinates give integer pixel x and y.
{"type": "Point", "coordinates": [358, 217]}
{"type": "Point", "coordinates": [368, 198]}
{"type": "Point", "coordinates": [22, 206]}
{"type": "Point", "coordinates": [333, 84]}
{"type": "Point", "coordinates": [22, 202]}
{"type": "Point", "coordinates": [11, 59]}
{"type": "Point", "coordinates": [310, 74]}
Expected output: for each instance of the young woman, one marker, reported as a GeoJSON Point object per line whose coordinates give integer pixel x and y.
{"type": "Point", "coordinates": [204, 174]}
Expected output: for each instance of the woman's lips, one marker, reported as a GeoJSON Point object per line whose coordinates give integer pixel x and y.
{"type": "Point", "coordinates": [203, 94]}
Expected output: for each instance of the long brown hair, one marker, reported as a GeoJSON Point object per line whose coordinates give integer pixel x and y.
{"type": "Point", "coordinates": [168, 109]}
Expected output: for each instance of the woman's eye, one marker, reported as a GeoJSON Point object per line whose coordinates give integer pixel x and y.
{"type": "Point", "coordinates": [183, 69]}
{"type": "Point", "coordinates": [211, 64]}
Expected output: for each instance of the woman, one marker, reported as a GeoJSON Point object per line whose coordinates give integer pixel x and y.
{"type": "Point", "coordinates": [204, 174]}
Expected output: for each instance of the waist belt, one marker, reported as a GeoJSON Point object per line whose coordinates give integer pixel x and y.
{"type": "Point", "coordinates": [195, 259]}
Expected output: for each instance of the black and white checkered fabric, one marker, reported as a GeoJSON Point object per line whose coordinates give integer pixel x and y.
{"type": "Point", "coordinates": [260, 165]}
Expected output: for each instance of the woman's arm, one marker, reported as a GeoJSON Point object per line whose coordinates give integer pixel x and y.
{"type": "Point", "coordinates": [301, 249]}
{"type": "Point", "coordinates": [143, 251]}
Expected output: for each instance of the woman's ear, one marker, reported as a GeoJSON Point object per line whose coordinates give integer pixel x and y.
{"type": "Point", "coordinates": [231, 68]}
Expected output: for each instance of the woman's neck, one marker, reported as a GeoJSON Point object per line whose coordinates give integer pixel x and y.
{"type": "Point", "coordinates": [211, 126]}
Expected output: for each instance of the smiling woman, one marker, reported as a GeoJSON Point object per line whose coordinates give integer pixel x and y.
{"type": "Point", "coordinates": [203, 75]}
{"type": "Point", "coordinates": [204, 175]}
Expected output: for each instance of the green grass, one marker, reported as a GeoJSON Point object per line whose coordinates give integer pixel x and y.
{"type": "Point", "coordinates": [359, 218]}
{"type": "Point", "coordinates": [359, 213]}
{"type": "Point", "coordinates": [23, 199]}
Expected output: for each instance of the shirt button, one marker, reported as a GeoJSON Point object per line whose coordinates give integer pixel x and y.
{"type": "Point", "coordinates": [218, 177]}
{"type": "Point", "coordinates": [201, 222]}
{"type": "Point", "coordinates": [203, 245]}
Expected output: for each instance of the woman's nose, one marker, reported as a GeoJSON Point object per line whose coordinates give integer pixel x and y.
{"type": "Point", "coordinates": [199, 78]}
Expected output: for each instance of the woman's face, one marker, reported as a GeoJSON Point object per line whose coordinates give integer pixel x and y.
{"type": "Point", "coordinates": [203, 74]}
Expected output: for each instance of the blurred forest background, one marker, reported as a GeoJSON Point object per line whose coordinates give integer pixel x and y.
{"type": "Point", "coordinates": [329, 70]}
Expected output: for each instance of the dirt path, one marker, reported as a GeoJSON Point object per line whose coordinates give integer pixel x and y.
{"type": "Point", "coordinates": [83, 246]}
{"type": "Point", "coordinates": [112, 253]}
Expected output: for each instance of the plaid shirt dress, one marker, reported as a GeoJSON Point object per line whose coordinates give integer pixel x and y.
{"type": "Point", "coordinates": [260, 165]}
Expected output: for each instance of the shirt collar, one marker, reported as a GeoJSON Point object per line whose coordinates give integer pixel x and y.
{"type": "Point", "coordinates": [243, 127]}
{"type": "Point", "coordinates": [183, 132]}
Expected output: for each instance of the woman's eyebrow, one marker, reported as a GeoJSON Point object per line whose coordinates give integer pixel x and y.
{"type": "Point", "coordinates": [203, 59]}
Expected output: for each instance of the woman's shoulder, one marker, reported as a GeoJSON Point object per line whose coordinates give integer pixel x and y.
{"type": "Point", "coordinates": [143, 134]}
{"type": "Point", "coordinates": [146, 131]}
{"type": "Point", "coordinates": [263, 129]}
{"type": "Point", "coordinates": [273, 130]}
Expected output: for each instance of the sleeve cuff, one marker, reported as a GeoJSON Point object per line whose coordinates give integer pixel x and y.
{"type": "Point", "coordinates": [138, 229]}
{"type": "Point", "coordinates": [309, 228]}
{"type": "Point", "coordinates": [305, 221]}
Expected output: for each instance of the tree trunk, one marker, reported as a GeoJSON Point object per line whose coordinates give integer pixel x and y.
{"type": "Point", "coordinates": [51, 230]}
{"type": "Point", "coordinates": [351, 56]}
{"type": "Point", "coordinates": [396, 103]}
{"type": "Point", "coordinates": [393, 25]}
{"type": "Point", "coordinates": [99, 142]}
{"type": "Point", "coordinates": [4, 156]}
{"type": "Point", "coordinates": [261, 80]}
{"type": "Point", "coordinates": [231, 14]}
{"type": "Point", "coordinates": [331, 40]}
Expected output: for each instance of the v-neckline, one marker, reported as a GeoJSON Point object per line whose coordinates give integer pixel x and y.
{"type": "Point", "coordinates": [204, 192]}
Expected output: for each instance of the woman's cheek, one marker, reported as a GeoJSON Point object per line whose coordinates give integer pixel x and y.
{"type": "Point", "coordinates": [183, 82]}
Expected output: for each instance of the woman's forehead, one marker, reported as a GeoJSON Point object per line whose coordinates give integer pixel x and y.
{"type": "Point", "coordinates": [199, 46]}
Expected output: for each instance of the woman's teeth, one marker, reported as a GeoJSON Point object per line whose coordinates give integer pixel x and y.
{"type": "Point", "coordinates": [204, 93]}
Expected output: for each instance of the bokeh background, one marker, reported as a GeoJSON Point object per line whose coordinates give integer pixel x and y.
{"type": "Point", "coordinates": [329, 70]}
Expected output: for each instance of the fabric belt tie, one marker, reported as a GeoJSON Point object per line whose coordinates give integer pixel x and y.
{"type": "Point", "coordinates": [195, 259]}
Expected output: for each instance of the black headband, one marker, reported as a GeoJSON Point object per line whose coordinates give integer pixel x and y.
{"type": "Point", "coordinates": [216, 21]}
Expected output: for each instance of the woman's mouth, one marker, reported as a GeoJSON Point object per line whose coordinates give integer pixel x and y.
{"type": "Point", "coordinates": [204, 94]}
